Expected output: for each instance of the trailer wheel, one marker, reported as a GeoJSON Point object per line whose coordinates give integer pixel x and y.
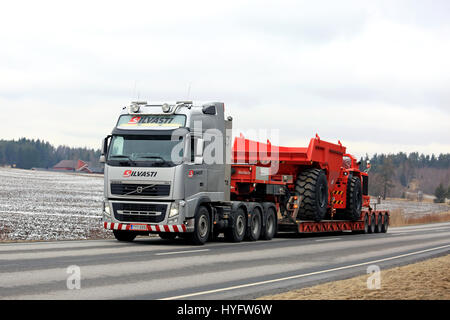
{"type": "Point", "coordinates": [126, 236]}
{"type": "Point", "coordinates": [372, 224]}
{"type": "Point", "coordinates": [366, 224]}
{"type": "Point", "coordinates": [354, 199]}
{"type": "Point", "coordinates": [167, 236]}
{"type": "Point", "coordinates": [379, 226]}
{"type": "Point", "coordinates": [255, 225]}
{"type": "Point", "coordinates": [312, 185]}
{"type": "Point", "coordinates": [202, 226]}
{"type": "Point", "coordinates": [385, 226]}
{"type": "Point", "coordinates": [236, 232]}
{"type": "Point", "coordinates": [270, 227]}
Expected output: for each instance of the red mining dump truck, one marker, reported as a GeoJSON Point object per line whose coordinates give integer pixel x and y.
{"type": "Point", "coordinates": [315, 189]}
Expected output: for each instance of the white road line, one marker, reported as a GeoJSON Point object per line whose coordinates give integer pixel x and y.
{"type": "Point", "coordinates": [301, 275]}
{"type": "Point", "coordinates": [330, 239]}
{"type": "Point", "coordinates": [179, 252]}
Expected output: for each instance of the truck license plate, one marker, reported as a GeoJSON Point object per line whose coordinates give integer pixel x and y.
{"type": "Point", "coordinates": [138, 227]}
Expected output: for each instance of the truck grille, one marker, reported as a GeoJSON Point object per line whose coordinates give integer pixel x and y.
{"type": "Point", "coordinates": [140, 189]}
{"type": "Point", "coordinates": [139, 212]}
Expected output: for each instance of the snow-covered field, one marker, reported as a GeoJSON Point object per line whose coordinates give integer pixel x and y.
{"type": "Point", "coordinates": [43, 205]}
{"type": "Point", "coordinates": [411, 208]}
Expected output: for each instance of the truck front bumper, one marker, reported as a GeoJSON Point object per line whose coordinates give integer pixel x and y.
{"type": "Point", "coordinates": [178, 228]}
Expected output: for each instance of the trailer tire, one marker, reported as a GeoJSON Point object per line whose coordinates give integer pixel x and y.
{"type": "Point", "coordinates": [126, 236]}
{"type": "Point", "coordinates": [366, 224]}
{"type": "Point", "coordinates": [372, 225]}
{"type": "Point", "coordinates": [312, 186]}
{"type": "Point", "coordinates": [254, 225]}
{"type": "Point", "coordinates": [379, 226]}
{"type": "Point", "coordinates": [270, 226]}
{"type": "Point", "coordinates": [385, 227]}
{"type": "Point", "coordinates": [354, 199]}
{"type": "Point", "coordinates": [236, 232]}
{"type": "Point", "coordinates": [202, 226]}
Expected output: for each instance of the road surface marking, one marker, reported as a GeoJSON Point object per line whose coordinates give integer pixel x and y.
{"type": "Point", "coordinates": [330, 239]}
{"type": "Point", "coordinates": [180, 252]}
{"type": "Point", "coordinates": [301, 275]}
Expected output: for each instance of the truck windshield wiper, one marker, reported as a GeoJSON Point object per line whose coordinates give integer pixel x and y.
{"type": "Point", "coordinates": [123, 157]}
{"type": "Point", "coordinates": [163, 161]}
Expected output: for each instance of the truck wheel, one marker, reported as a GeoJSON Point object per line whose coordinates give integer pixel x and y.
{"type": "Point", "coordinates": [385, 226]}
{"type": "Point", "coordinates": [379, 226]}
{"type": "Point", "coordinates": [167, 236]}
{"type": "Point", "coordinates": [236, 232]}
{"type": "Point", "coordinates": [312, 185]}
{"type": "Point", "coordinates": [372, 224]}
{"type": "Point", "coordinates": [354, 199]}
{"type": "Point", "coordinates": [366, 223]}
{"type": "Point", "coordinates": [126, 236]}
{"type": "Point", "coordinates": [268, 232]}
{"type": "Point", "coordinates": [255, 225]}
{"type": "Point", "coordinates": [202, 226]}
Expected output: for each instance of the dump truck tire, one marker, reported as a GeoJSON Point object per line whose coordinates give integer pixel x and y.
{"type": "Point", "coordinates": [354, 199]}
{"type": "Point", "coordinates": [312, 186]}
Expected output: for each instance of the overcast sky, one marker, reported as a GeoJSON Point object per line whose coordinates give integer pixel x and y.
{"type": "Point", "coordinates": [373, 74]}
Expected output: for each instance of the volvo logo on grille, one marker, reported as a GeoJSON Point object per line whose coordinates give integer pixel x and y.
{"type": "Point", "coordinates": [139, 189]}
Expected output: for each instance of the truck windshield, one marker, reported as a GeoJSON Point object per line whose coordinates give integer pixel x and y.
{"type": "Point", "coordinates": [145, 151]}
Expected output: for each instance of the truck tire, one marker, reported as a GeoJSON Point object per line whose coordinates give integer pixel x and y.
{"type": "Point", "coordinates": [126, 236]}
{"type": "Point", "coordinates": [202, 226]}
{"type": "Point", "coordinates": [270, 226]}
{"type": "Point", "coordinates": [385, 227]}
{"type": "Point", "coordinates": [372, 225]}
{"type": "Point", "coordinates": [312, 186]}
{"type": "Point", "coordinates": [354, 199]}
{"type": "Point", "coordinates": [379, 226]}
{"type": "Point", "coordinates": [167, 235]}
{"type": "Point", "coordinates": [236, 232]}
{"type": "Point", "coordinates": [254, 225]}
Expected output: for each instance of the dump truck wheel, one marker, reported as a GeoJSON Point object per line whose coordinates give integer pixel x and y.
{"type": "Point", "coordinates": [236, 232]}
{"type": "Point", "coordinates": [255, 225]}
{"type": "Point", "coordinates": [270, 227]}
{"type": "Point", "coordinates": [312, 186]}
{"type": "Point", "coordinates": [354, 199]}
{"type": "Point", "coordinates": [202, 226]}
{"type": "Point", "coordinates": [126, 236]}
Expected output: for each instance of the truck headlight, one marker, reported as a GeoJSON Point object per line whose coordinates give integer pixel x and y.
{"type": "Point", "coordinates": [174, 210]}
{"type": "Point", "coordinates": [106, 210]}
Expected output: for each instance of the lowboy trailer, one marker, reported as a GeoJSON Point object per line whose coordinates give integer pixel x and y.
{"type": "Point", "coordinates": [159, 178]}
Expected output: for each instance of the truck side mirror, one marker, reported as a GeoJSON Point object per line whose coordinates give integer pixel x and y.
{"type": "Point", "coordinates": [104, 149]}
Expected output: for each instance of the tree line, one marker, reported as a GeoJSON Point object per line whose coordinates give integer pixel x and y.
{"type": "Point", "coordinates": [26, 154]}
{"type": "Point", "coordinates": [394, 174]}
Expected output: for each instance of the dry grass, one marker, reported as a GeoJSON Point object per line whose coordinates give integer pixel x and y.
{"type": "Point", "coordinates": [427, 280]}
{"type": "Point", "coordinates": [399, 219]}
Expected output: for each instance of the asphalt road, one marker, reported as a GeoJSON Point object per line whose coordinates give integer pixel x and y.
{"type": "Point", "coordinates": [151, 268]}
